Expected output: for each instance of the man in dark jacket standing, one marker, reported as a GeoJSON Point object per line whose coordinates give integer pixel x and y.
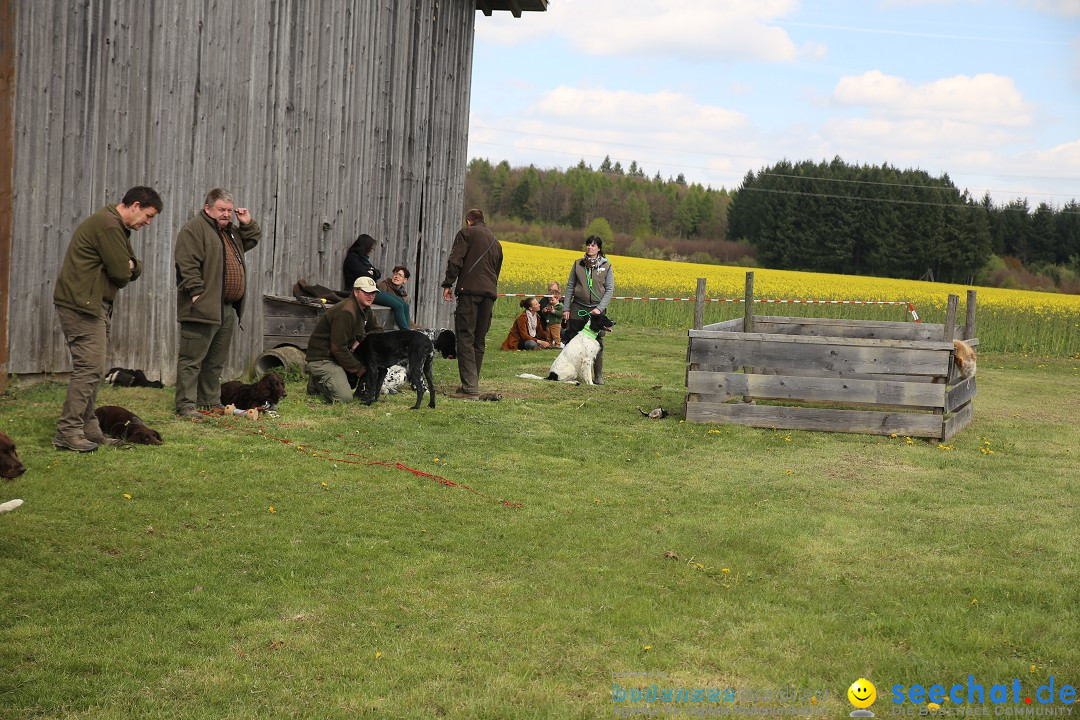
{"type": "Point", "coordinates": [211, 281]}
{"type": "Point", "coordinates": [99, 261]}
{"type": "Point", "coordinates": [472, 272]}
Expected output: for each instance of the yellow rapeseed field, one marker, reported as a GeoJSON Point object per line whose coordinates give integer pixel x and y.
{"type": "Point", "coordinates": [1007, 320]}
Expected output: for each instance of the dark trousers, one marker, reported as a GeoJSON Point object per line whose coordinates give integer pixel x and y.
{"type": "Point", "coordinates": [202, 352]}
{"type": "Point", "coordinates": [87, 338]}
{"type": "Point", "coordinates": [472, 320]}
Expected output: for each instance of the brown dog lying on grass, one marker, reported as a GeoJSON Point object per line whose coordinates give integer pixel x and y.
{"type": "Point", "coordinates": [123, 424]}
{"type": "Point", "coordinates": [10, 466]}
{"type": "Point", "coordinates": [267, 392]}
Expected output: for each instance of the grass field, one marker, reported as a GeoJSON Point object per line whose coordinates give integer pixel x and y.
{"type": "Point", "coordinates": [1007, 320]}
{"type": "Point", "coordinates": [548, 546]}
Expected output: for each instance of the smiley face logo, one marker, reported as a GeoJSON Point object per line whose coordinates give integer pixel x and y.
{"type": "Point", "coordinates": [862, 693]}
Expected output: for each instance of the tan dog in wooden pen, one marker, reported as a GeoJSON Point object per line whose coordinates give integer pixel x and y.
{"type": "Point", "coordinates": [964, 358]}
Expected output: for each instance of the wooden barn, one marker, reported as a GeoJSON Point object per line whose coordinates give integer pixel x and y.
{"type": "Point", "coordinates": [326, 118]}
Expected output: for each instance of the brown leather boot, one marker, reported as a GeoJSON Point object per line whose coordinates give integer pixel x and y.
{"type": "Point", "coordinates": [74, 442]}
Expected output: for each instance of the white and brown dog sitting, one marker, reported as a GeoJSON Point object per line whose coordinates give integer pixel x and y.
{"type": "Point", "coordinates": [964, 358]}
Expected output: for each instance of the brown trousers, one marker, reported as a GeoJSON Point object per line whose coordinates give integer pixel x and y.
{"type": "Point", "coordinates": [87, 339]}
{"type": "Point", "coordinates": [472, 320]}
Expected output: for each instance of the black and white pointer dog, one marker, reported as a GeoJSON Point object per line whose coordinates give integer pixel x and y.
{"type": "Point", "coordinates": [575, 362]}
{"type": "Point", "coordinates": [381, 350]}
{"type": "Point", "coordinates": [445, 342]}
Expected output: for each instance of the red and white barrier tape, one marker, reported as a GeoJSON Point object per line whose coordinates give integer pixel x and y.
{"type": "Point", "coordinates": [908, 303]}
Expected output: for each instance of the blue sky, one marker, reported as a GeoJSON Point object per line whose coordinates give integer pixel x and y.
{"type": "Point", "coordinates": [986, 91]}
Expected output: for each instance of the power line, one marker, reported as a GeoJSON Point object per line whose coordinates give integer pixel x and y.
{"type": "Point", "coordinates": [893, 201]}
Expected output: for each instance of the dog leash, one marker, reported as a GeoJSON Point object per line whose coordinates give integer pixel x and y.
{"type": "Point", "coordinates": [326, 455]}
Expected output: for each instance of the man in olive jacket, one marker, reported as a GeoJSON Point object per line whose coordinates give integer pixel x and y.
{"type": "Point", "coordinates": [211, 281]}
{"type": "Point", "coordinates": [330, 358]}
{"type": "Point", "coordinates": [472, 273]}
{"type": "Point", "coordinates": [99, 261]}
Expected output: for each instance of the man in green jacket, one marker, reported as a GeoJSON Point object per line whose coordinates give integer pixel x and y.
{"type": "Point", "coordinates": [330, 358]}
{"type": "Point", "coordinates": [99, 261]}
{"type": "Point", "coordinates": [211, 281]}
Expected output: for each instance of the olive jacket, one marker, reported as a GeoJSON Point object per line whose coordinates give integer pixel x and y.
{"type": "Point", "coordinates": [200, 266]}
{"type": "Point", "coordinates": [337, 329]}
{"type": "Point", "coordinates": [96, 264]}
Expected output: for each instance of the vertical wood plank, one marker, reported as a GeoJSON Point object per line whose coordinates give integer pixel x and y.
{"type": "Point", "coordinates": [699, 305]}
{"type": "Point", "coordinates": [969, 321]}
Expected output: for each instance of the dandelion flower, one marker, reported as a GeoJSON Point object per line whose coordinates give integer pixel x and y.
{"type": "Point", "coordinates": [127, 496]}
{"type": "Point", "coordinates": [272, 509]}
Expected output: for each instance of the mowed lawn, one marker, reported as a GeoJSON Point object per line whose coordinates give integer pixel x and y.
{"type": "Point", "coordinates": [520, 558]}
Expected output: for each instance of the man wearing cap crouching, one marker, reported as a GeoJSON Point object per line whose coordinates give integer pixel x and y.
{"type": "Point", "coordinates": [330, 358]}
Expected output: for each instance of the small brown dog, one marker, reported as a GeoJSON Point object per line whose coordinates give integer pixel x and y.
{"type": "Point", "coordinates": [267, 391]}
{"type": "Point", "coordinates": [964, 358]}
{"type": "Point", "coordinates": [123, 424]}
{"type": "Point", "coordinates": [10, 466]}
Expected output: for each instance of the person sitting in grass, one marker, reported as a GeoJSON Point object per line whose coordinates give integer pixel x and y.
{"type": "Point", "coordinates": [527, 333]}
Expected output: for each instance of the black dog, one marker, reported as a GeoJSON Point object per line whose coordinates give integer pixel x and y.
{"type": "Point", "coordinates": [123, 377]}
{"type": "Point", "coordinates": [267, 392]}
{"type": "Point", "coordinates": [411, 348]}
{"type": "Point", "coordinates": [123, 424]}
{"type": "Point", "coordinates": [445, 341]}
{"type": "Point", "coordinates": [10, 466]}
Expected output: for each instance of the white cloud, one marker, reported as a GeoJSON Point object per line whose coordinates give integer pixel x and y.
{"type": "Point", "coordinates": [1063, 8]}
{"type": "Point", "coordinates": [984, 99]}
{"type": "Point", "coordinates": [666, 132]}
{"type": "Point", "coordinates": [1064, 159]}
{"type": "Point", "coordinates": [695, 30]}
{"type": "Point", "coordinates": [656, 113]}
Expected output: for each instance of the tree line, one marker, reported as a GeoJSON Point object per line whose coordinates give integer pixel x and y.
{"type": "Point", "coordinates": [824, 216]}
{"type": "Point", "coordinates": [632, 203]}
{"type": "Point", "coordinates": [871, 220]}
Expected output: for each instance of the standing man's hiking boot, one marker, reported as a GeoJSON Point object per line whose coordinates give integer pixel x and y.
{"type": "Point", "coordinates": [76, 443]}
{"type": "Point", "coordinates": [101, 440]}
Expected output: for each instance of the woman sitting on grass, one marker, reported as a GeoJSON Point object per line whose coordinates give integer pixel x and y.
{"type": "Point", "coordinates": [526, 333]}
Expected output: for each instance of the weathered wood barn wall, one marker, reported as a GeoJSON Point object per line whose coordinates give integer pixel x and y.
{"type": "Point", "coordinates": [326, 118]}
